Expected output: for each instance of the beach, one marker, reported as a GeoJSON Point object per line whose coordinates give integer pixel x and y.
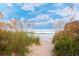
{"type": "Point", "coordinates": [46, 45]}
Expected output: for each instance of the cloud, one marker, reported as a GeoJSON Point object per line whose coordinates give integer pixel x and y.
{"type": "Point", "coordinates": [20, 4]}
{"type": "Point", "coordinates": [76, 16]}
{"type": "Point", "coordinates": [63, 12]}
{"type": "Point", "coordinates": [40, 17]}
{"type": "Point", "coordinates": [9, 4]}
{"type": "Point", "coordinates": [22, 19]}
{"type": "Point", "coordinates": [66, 11]}
{"type": "Point", "coordinates": [45, 19]}
{"type": "Point", "coordinates": [30, 6]}
{"type": "Point", "coordinates": [76, 13]}
{"type": "Point", "coordinates": [58, 4]}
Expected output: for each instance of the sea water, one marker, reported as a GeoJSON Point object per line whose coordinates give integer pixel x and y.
{"type": "Point", "coordinates": [44, 34]}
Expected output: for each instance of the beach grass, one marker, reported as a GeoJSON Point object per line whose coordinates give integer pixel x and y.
{"type": "Point", "coordinates": [16, 43]}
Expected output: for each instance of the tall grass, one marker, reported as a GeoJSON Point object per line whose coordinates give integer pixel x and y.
{"type": "Point", "coordinates": [16, 43]}
{"type": "Point", "coordinates": [66, 44]}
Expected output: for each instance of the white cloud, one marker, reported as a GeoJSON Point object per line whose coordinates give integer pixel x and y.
{"type": "Point", "coordinates": [30, 6]}
{"type": "Point", "coordinates": [58, 4]}
{"type": "Point", "coordinates": [67, 14]}
{"type": "Point", "coordinates": [22, 19]}
{"type": "Point", "coordinates": [63, 12]}
{"type": "Point", "coordinates": [9, 4]}
{"type": "Point", "coordinates": [20, 4]}
{"type": "Point", "coordinates": [45, 19]}
{"type": "Point", "coordinates": [40, 17]}
{"type": "Point", "coordinates": [58, 23]}
{"type": "Point", "coordinates": [66, 11]}
{"type": "Point", "coordinates": [76, 14]}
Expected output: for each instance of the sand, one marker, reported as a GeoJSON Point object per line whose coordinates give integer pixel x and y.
{"type": "Point", "coordinates": [41, 50]}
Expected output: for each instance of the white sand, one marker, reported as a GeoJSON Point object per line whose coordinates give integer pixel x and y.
{"type": "Point", "coordinates": [42, 50]}
{"type": "Point", "coordinates": [45, 48]}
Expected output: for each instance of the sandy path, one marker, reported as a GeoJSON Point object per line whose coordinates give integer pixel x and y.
{"type": "Point", "coordinates": [42, 50]}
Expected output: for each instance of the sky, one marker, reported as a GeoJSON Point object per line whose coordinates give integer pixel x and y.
{"type": "Point", "coordinates": [43, 15]}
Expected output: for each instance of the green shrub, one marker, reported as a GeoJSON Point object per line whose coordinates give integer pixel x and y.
{"type": "Point", "coordinates": [63, 47]}
{"type": "Point", "coordinates": [66, 46]}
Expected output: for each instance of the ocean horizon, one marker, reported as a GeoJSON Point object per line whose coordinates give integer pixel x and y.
{"type": "Point", "coordinates": [44, 34]}
{"type": "Point", "coordinates": [43, 30]}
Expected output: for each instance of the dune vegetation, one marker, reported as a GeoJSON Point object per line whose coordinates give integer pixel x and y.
{"type": "Point", "coordinates": [66, 42]}
{"type": "Point", "coordinates": [16, 43]}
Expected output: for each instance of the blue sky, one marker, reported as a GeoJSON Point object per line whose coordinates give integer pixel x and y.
{"type": "Point", "coordinates": [45, 15]}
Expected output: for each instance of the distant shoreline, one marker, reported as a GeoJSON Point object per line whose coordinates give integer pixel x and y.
{"type": "Point", "coordinates": [43, 30]}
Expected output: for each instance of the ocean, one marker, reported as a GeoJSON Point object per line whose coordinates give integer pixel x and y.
{"type": "Point", "coordinates": [45, 34]}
